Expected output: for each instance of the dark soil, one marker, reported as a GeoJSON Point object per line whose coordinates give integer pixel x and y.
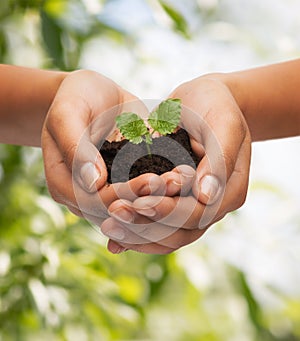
{"type": "Point", "coordinates": [125, 160]}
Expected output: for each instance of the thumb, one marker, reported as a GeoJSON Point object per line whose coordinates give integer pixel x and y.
{"type": "Point", "coordinates": [88, 168]}
{"type": "Point", "coordinates": [212, 117]}
{"type": "Point", "coordinates": [222, 143]}
{"type": "Point", "coordinates": [93, 172]}
{"type": "Point", "coordinates": [211, 177]}
{"type": "Point", "coordinates": [67, 124]}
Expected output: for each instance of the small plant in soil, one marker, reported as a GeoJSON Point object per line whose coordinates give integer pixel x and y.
{"type": "Point", "coordinates": [155, 145]}
{"type": "Point", "coordinates": [164, 120]}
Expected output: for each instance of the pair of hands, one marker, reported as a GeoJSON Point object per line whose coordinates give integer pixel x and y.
{"type": "Point", "coordinates": [151, 213]}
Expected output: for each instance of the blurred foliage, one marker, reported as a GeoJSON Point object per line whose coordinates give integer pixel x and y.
{"type": "Point", "coordinates": [57, 281]}
{"type": "Point", "coordinates": [65, 26]}
{"type": "Point", "coordinates": [180, 24]}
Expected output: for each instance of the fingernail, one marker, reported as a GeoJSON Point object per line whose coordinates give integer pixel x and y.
{"type": "Point", "coordinates": [115, 233]}
{"type": "Point", "coordinates": [153, 185]}
{"type": "Point", "coordinates": [209, 186]}
{"type": "Point", "coordinates": [89, 175]}
{"type": "Point", "coordinates": [177, 183]}
{"type": "Point", "coordinates": [173, 187]}
{"type": "Point", "coordinates": [187, 171]}
{"type": "Point", "coordinates": [147, 211]}
{"type": "Point", "coordinates": [116, 249]}
{"type": "Point", "coordinates": [122, 249]}
{"type": "Point", "coordinates": [122, 215]}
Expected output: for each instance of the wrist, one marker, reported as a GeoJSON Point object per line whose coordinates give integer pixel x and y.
{"type": "Point", "coordinates": [267, 97]}
{"type": "Point", "coordinates": [25, 99]}
{"type": "Point", "coordinates": [47, 85]}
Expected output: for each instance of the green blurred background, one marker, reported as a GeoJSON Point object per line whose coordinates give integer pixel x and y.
{"type": "Point", "coordinates": [242, 280]}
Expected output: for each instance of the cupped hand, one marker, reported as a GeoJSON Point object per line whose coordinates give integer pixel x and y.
{"type": "Point", "coordinates": [220, 136]}
{"type": "Point", "coordinates": [81, 115]}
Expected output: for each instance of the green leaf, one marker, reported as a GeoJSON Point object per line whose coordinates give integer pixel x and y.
{"type": "Point", "coordinates": [166, 117]}
{"type": "Point", "coordinates": [52, 37]}
{"type": "Point", "coordinates": [178, 19]}
{"type": "Point", "coordinates": [132, 127]}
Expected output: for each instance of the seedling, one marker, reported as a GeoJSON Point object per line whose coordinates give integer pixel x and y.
{"type": "Point", "coordinates": [164, 120]}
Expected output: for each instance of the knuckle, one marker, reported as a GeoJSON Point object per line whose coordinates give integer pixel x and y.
{"type": "Point", "coordinates": [75, 211]}
{"type": "Point", "coordinates": [68, 154]}
{"type": "Point", "coordinates": [54, 119]}
{"type": "Point", "coordinates": [56, 196]}
{"type": "Point", "coordinates": [182, 89]}
{"type": "Point", "coordinates": [167, 251]}
{"type": "Point", "coordinates": [240, 200]}
{"type": "Point", "coordinates": [229, 162]}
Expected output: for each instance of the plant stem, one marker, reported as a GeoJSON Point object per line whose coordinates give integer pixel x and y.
{"type": "Point", "coordinates": [149, 150]}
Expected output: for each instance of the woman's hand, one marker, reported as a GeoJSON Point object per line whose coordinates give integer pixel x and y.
{"type": "Point", "coordinates": [82, 115]}
{"type": "Point", "coordinates": [220, 136]}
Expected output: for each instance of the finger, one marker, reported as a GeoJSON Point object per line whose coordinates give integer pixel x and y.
{"type": "Point", "coordinates": [144, 231]}
{"type": "Point", "coordinates": [170, 244]}
{"type": "Point", "coordinates": [170, 211]}
{"type": "Point", "coordinates": [114, 247]}
{"type": "Point", "coordinates": [138, 229]}
{"type": "Point", "coordinates": [101, 129]}
{"type": "Point", "coordinates": [72, 124]}
{"type": "Point", "coordinates": [118, 232]}
{"type": "Point", "coordinates": [75, 211]}
{"type": "Point", "coordinates": [216, 167]}
{"type": "Point", "coordinates": [104, 126]}
{"type": "Point", "coordinates": [197, 147]}
{"type": "Point", "coordinates": [178, 212]}
{"type": "Point", "coordinates": [135, 228]}
{"type": "Point", "coordinates": [218, 127]}
{"type": "Point", "coordinates": [167, 210]}
{"type": "Point", "coordinates": [179, 181]}
{"type": "Point", "coordinates": [237, 185]}
{"type": "Point", "coordinates": [144, 184]}
{"type": "Point", "coordinates": [58, 176]}
{"type": "Point", "coordinates": [151, 248]}
{"type": "Point", "coordinates": [66, 191]}
{"type": "Point", "coordinates": [96, 204]}
{"type": "Point", "coordinates": [61, 185]}
{"type": "Point", "coordinates": [94, 220]}
{"type": "Point", "coordinates": [183, 212]}
{"type": "Point", "coordinates": [234, 196]}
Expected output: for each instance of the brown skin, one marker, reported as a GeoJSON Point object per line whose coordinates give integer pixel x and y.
{"type": "Point", "coordinates": [211, 115]}
{"type": "Point", "coordinates": [269, 101]}
{"type": "Point", "coordinates": [265, 98]}
{"type": "Point", "coordinates": [60, 106]}
{"type": "Point", "coordinates": [25, 97]}
{"type": "Point", "coordinates": [68, 145]}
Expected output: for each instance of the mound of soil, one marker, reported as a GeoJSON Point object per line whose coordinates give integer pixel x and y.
{"type": "Point", "coordinates": [125, 160]}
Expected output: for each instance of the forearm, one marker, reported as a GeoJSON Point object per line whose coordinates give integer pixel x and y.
{"type": "Point", "coordinates": [269, 99]}
{"type": "Point", "coordinates": [25, 97]}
